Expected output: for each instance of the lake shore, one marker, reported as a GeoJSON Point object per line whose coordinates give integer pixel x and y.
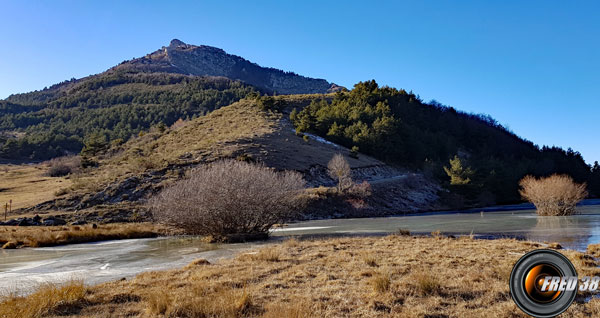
{"type": "Point", "coordinates": [391, 276]}
{"type": "Point", "coordinates": [43, 236]}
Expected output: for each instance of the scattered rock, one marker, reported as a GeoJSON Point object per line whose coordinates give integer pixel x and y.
{"type": "Point", "coordinates": [36, 219]}
{"type": "Point", "coordinates": [53, 221]}
{"type": "Point", "coordinates": [24, 222]}
{"type": "Point", "coordinates": [12, 222]}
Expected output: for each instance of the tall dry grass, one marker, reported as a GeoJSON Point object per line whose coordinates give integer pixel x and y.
{"type": "Point", "coordinates": [40, 236]}
{"type": "Point", "coordinates": [49, 300]}
{"type": "Point", "coordinates": [553, 195]}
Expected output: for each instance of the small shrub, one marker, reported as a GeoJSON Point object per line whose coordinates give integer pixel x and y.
{"type": "Point", "coordinates": [197, 262]}
{"type": "Point", "coordinates": [158, 303]}
{"type": "Point", "coordinates": [269, 103]}
{"type": "Point", "coordinates": [60, 192]}
{"type": "Point", "coordinates": [180, 123]}
{"type": "Point", "coordinates": [360, 190]}
{"type": "Point", "coordinates": [381, 283]}
{"type": "Point", "coordinates": [369, 259]}
{"type": "Point", "coordinates": [553, 195]}
{"type": "Point", "coordinates": [245, 157]}
{"type": "Point", "coordinates": [62, 166]}
{"type": "Point", "coordinates": [88, 162]}
{"type": "Point", "coordinates": [229, 198]}
{"type": "Point", "coordinates": [403, 232]}
{"type": "Point", "coordinates": [354, 152]}
{"type": "Point", "coordinates": [427, 283]}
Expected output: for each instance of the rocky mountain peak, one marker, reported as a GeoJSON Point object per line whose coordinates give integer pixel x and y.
{"type": "Point", "coordinates": [175, 43]}
{"type": "Point", "coordinates": [203, 60]}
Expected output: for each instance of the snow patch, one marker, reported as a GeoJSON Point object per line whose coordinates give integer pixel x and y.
{"type": "Point", "coordinates": [320, 139]}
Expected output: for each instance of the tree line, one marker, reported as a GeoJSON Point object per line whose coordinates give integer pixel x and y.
{"type": "Point", "coordinates": [396, 126]}
{"type": "Point", "coordinates": [116, 105]}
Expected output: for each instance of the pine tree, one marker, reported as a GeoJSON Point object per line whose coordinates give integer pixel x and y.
{"type": "Point", "coordinates": [458, 174]}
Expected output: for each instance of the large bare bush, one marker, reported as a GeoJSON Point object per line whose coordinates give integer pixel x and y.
{"type": "Point", "coordinates": [230, 200]}
{"type": "Point", "coordinates": [63, 166]}
{"type": "Point", "coordinates": [553, 195]}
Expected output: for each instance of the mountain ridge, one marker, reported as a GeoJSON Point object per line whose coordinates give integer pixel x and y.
{"type": "Point", "coordinates": [203, 60]}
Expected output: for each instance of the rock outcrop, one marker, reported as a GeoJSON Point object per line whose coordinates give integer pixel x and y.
{"type": "Point", "coordinates": [204, 60]}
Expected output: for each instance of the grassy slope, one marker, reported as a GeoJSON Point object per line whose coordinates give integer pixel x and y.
{"type": "Point", "coordinates": [26, 185]}
{"type": "Point", "coordinates": [240, 128]}
{"type": "Point", "coordinates": [204, 139]}
{"type": "Point", "coordinates": [393, 276]}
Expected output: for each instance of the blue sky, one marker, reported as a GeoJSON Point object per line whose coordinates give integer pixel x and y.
{"type": "Point", "coordinates": [532, 65]}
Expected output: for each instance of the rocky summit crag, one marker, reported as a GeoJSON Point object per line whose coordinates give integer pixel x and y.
{"type": "Point", "coordinates": [204, 60]}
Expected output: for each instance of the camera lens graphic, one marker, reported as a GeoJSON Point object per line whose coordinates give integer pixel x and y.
{"type": "Point", "coordinates": [534, 280]}
{"type": "Point", "coordinates": [527, 279]}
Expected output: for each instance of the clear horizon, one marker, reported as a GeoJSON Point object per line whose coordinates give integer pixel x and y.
{"type": "Point", "coordinates": [532, 66]}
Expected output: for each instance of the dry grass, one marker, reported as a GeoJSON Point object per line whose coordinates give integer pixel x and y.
{"type": "Point", "coordinates": [49, 300]}
{"type": "Point", "coordinates": [426, 283]}
{"type": "Point", "coordinates": [369, 259]}
{"type": "Point", "coordinates": [207, 138]}
{"type": "Point", "coordinates": [416, 277]}
{"type": "Point", "coordinates": [38, 236]}
{"type": "Point", "coordinates": [381, 282]}
{"type": "Point", "coordinates": [594, 250]}
{"type": "Point", "coordinates": [26, 185]}
{"type": "Point", "coordinates": [265, 255]}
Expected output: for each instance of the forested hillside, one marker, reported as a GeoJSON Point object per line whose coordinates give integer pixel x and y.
{"type": "Point", "coordinates": [177, 81]}
{"type": "Point", "coordinates": [109, 107]}
{"type": "Point", "coordinates": [483, 159]}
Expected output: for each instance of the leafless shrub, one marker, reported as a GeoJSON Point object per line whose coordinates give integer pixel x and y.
{"type": "Point", "coordinates": [360, 190]}
{"type": "Point", "coordinates": [63, 166]}
{"type": "Point", "coordinates": [554, 195]}
{"type": "Point", "coordinates": [339, 170]}
{"type": "Point", "coordinates": [178, 124]}
{"type": "Point", "coordinates": [230, 198]}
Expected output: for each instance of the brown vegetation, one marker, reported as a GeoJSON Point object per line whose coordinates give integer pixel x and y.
{"type": "Point", "coordinates": [206, 138]}
{"type": "Point", "coordinates": [62, 166]}
{"type": "Point", "coordinates": [27, 185]}
{"type": "Point", "coordinates": [39, 236]}
{"type": "Point", "coordinates": [48, 300]}
{"type": "Point", "coordinates": [553, 195]}
{"type": "Point", "coordinates": [339, 170]}
{"type": "Point", "coordinates": [414, 277]}
{"type": "Point", "coordinates": [230, 198]}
